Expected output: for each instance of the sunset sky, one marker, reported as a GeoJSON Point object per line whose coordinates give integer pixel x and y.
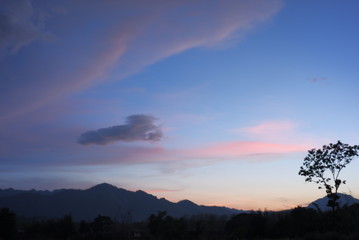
{"type": "Point", "coordinates": [212, 101]}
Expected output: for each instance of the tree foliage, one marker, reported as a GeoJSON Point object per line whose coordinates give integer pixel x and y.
{"type": "Point", "coordinates": [324, 165]}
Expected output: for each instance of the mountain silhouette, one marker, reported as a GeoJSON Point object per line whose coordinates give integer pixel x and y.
{"type": "Point", "coordinates": [103, 199]}
{"type": "Point", "coordinates": [321, 203]}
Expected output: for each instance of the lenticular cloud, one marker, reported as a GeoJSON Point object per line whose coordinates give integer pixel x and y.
{"type": "Point", "coordinates": [137, 127]}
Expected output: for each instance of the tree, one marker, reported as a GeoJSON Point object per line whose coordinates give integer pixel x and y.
{"type": "Point", "coordinates": [330, 158]}
{"type": "Point", "coordinates": [7, 223]}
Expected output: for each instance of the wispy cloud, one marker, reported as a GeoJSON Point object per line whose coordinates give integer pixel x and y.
{"type": "Point", "coordinates": [269, 129]}
{"type": "Point", "coordinates": [244, 150]}
{"type": "Point", "coordinates": [317, 79]}
{"type": "Point", "coordinates": [192, 157]}
{"type": "Point", "coordinates": [124, 44]}
{"type": "Point", "coordinates": [168, 158]}
{"type": "Point", "coordinates": [279, 131]}
{"type": "Point", "coordinates": [137, 127]}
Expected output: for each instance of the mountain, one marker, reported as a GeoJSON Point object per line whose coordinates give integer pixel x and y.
{"type": "Point", "coordinates": [103, 199]}
{"type": "Point", "coordinates": [321, 204]}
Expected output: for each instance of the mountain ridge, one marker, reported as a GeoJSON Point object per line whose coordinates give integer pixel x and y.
{"type": "Point", "coordinates": [102, 199]}
{"type": "Point", "coordinates": [117, 203]}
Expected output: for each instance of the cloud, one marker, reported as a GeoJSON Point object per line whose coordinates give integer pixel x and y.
{"type": "Point", "coordinates": [167, 159]}
{"type": "Point", "coordinates": [17, 26]}
{"type": "Point", "coordinates": [271, 128]}
{"type": "Point", "coordinates": [244, 150]}
{"type": "Point", "coordinates": [103, 39]}
{"type": "Point", "coordinates": [280, 131]}
{"type": "Point", "coordinates": [193, 157]}
{"type": "Point", "coordinates": [137, 127]}
{"type": "Point", "coordinates": [317, 79]}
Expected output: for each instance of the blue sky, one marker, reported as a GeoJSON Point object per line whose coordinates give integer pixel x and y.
{"type": "Point", "coordinates": [212, 101]}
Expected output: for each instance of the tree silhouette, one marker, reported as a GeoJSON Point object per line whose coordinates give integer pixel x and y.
{"type": "Point", "coordinates": [332, 158]}
{"type": "Point", "coordinates": [7, 223]}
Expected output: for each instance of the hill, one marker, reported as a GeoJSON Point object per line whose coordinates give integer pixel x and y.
{"type": "Point", "coordinates": [321, 203]}
{"type": "Point", "coordinates": [103, 199]}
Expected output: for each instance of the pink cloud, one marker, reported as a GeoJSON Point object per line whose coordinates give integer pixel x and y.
{"type": "Point", "coordinates": [190, 157]}
{"type": "Point", "coordinates": [243, 149]}
{"type": "Point", "coordinates": [269, 128]}
{"type": "Point", "coordinates": [285, 131]}
{"type": "Point", "coordinates": [167, 160]}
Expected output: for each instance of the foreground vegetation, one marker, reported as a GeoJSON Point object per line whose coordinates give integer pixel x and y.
{"type": "Point", "coordinates": [298, 223]}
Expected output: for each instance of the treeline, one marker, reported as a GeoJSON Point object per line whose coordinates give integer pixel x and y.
{"type": "Point", "coordinates": [298, 223]}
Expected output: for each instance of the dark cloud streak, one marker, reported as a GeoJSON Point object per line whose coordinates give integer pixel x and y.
{"type": "Point", "coordinates": [317, 79]}
{"type": "Point", "coordinates": [17, 27]}
{"type": "Point", "coordinates": [137, 128]}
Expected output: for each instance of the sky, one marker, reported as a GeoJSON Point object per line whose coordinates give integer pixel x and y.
{"type": "Point", "coordinates": [217, 102]}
